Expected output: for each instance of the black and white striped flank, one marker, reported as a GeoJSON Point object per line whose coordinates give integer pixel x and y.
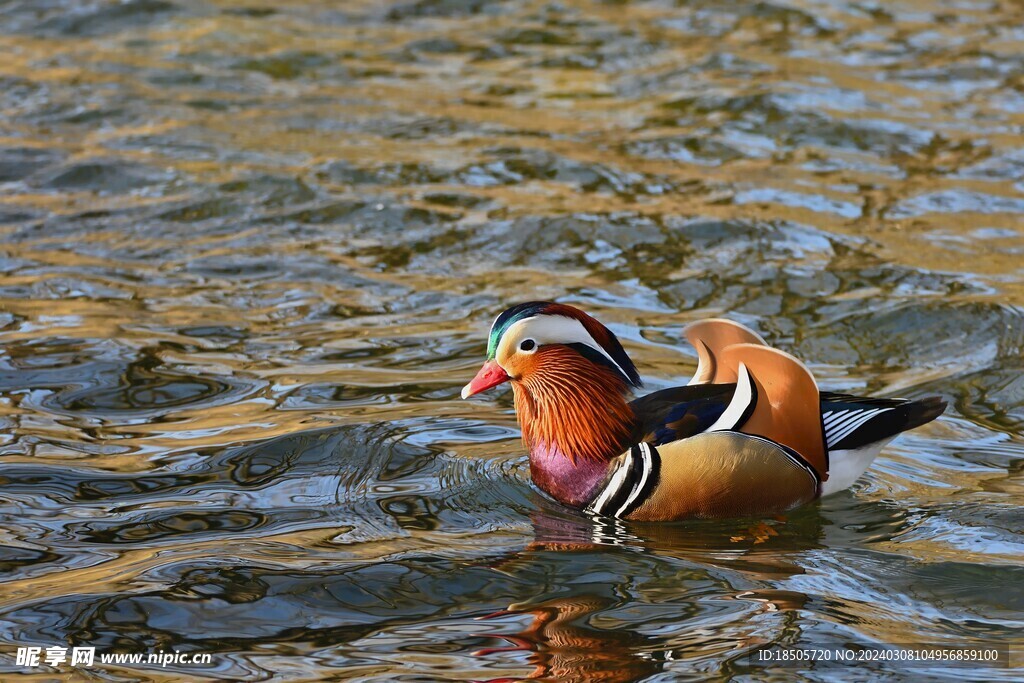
{"type": "Point", "coordinates": [630, 483]}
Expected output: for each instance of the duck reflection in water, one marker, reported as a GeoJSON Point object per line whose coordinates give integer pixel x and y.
{"type": "Point", "coordinates": [763, 549]}
{"type": "Point", "coordinates": [561, 638]}
{"type": "Point", "coordinates": [564, 646]}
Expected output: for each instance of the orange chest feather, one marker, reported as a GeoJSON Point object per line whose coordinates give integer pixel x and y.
{"type": "Point", "coordinates": [577, 410]}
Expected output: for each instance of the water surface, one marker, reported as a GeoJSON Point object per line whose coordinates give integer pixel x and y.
{"type": "Point", "coordinates": [249, 252]}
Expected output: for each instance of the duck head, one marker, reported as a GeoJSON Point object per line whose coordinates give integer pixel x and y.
{"type": "Point", "coordinates": [570, 377]}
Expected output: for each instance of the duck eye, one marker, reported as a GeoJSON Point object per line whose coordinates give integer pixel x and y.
{"type": "Point", "coordinates": [527, 345]}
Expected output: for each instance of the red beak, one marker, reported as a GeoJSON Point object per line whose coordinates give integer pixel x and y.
{"type": "Point", "coordinates": [490, 375]}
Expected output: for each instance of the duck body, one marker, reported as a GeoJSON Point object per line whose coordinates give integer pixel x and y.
{"type": "Point", "coordinates": [750, 435]}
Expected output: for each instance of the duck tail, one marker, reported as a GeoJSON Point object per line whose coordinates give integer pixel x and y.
{"type": "Point", "coordinates": [923, 411]}
{"type": "Point", "coordinates": [856, 430]}
{"type": "Point", "coordinates": [854, 421]}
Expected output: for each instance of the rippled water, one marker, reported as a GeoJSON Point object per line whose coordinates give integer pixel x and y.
{"type": "Point", "coordinates": [250, 251]}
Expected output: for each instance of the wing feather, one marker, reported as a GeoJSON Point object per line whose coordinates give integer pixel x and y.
{"type": "Point", "coordinates": [788, 408]}
{"type": "Point", "coordinates": [710, 337]}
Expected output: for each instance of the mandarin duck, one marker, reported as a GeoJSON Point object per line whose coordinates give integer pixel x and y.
{"type": "Point", "coordinates": [750, 434]}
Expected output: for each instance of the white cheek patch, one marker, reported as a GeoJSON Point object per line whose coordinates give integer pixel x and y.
{"type": "Point", "coordinates": [549, 329]}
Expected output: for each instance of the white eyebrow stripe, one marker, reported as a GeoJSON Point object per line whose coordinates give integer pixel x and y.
{"type": "Point", "coordinates": [555, 329]}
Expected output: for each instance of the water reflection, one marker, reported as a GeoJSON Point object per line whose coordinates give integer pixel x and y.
{"type": "Point", "coordinates": [586, 625]}
{"type": "Point", "coordinates": [564, 646]}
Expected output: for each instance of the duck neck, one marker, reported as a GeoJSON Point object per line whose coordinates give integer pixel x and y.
{"type": "Point", "coordinates": [575, 418]}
